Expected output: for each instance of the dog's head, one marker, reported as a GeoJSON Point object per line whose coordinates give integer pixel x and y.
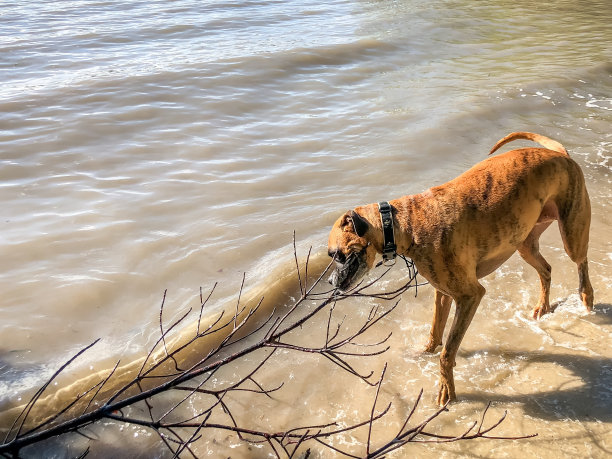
{"type": "Point", "coordinates": [351, 250]}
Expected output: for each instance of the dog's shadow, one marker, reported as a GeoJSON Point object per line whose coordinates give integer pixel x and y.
{"type": "Point", "coordinates": [603, 314]}
{"type": "Point", "coordinates": [589, 400]}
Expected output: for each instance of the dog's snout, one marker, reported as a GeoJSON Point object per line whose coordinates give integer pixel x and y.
{"type": "Point", "coordinates": [338, 257]}
{"type": "Point", "coordinates": [333, 279]}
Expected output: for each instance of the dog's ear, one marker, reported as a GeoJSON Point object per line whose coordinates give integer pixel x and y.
{"type": "Point", "coordinates": [359, 223]}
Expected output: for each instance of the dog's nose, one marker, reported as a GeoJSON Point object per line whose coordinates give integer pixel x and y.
{"type": "Point", "coordinates": [333, 279]}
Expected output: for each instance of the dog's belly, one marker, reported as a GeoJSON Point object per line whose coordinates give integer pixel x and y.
{"type": "Point", "coordinates": [487, 266]}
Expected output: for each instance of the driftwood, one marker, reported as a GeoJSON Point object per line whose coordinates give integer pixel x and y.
{"type": "Point", "coordinates": [162, 371]}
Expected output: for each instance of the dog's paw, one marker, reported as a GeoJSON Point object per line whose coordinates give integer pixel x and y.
{"type": "Point", "coordinates": [587, 300]}
{"type": "Point", "coordinates": [540, 310]}
{"type": "Point", "coordinates": [431, 346]}
{"type": "Point", "coordinates": [446, 393]}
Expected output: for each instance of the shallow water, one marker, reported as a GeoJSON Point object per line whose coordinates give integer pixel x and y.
{"type": "Point", "coordinates": [169, 145]}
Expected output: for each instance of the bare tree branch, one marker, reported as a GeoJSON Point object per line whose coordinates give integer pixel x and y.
{"type": "Point", "coordinates": [163, 371]}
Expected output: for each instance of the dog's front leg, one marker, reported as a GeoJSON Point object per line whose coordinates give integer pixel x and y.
{"type": "Point", "coordinates": [442, 304]}
{"type": "Point", "coordinates": [467, 303]}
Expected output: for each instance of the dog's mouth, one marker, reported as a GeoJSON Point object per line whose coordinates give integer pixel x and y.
{"type": "Point", "coordinates": [348, 271]}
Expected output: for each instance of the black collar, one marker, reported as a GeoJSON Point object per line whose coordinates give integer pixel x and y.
{"type": "Point", "coordinates": [389, 247]}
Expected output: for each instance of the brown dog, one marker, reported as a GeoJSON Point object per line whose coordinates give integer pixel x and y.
{"type": "Point", "coordinates": [465, 229]}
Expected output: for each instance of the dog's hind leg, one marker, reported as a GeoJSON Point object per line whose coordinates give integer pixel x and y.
{"type": "Point", "coordinates": [442, 304]}
{"type": "Point", "coordinates": [574, 224]}
{"type": "Point", "coordinates": [585, 289]}
{"type": "Point", "coordinates": [530, 251]}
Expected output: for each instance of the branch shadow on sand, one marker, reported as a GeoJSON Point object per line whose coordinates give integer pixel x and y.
{"type": "Point", "coordinates": [590, 400]}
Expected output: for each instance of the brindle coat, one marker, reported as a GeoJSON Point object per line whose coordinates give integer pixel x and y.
{"type": "Point", "coordinates": [465, 229]}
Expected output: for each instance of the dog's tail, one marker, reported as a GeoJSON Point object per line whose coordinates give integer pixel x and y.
{"type": "Point", "coordinates": [544, 141]}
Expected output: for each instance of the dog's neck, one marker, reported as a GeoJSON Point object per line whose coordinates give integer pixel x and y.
{"type": "Point", "coordinates": [401, 225]}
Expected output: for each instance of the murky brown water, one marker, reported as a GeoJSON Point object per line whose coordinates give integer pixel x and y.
{"type": "Point", "coordinates": [172, 145]}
